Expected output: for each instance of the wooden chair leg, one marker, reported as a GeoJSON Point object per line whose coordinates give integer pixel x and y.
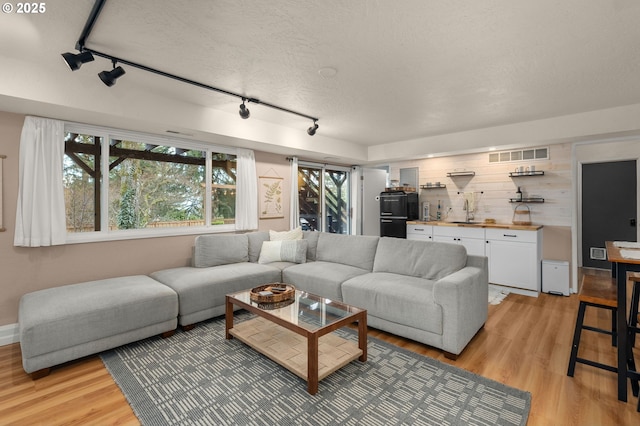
{"type": "Point", "coordinates": [614, 327]}
{"type": "Point", "coordinates": [633, 312]}
{"type": "Point", "coordinates": [576, 340]}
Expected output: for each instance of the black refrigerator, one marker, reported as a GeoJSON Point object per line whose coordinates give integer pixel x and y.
{"type": "Point", "coordinates": [396, 208]}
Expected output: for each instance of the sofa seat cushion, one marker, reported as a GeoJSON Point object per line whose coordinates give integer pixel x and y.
{"type": "Point", "coordinates": [64, 317]}
{"type": "Point", "coordinates": [201, 289]}
{"type": "Point", "coordinates": [281, 265]}
{"type": "Point", "coordinates": [321, 278]}
{"type": "Point", "coordinates": [397, 298]}
{"type": "Point", "coordinates": [422, 259]}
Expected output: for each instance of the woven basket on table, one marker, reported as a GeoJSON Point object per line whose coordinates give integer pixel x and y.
{"type": "Point", "coordinates": [276, 297]}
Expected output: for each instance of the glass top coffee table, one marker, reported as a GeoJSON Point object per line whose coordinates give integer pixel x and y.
{"type": "Point", "coordinates": [297, 336]}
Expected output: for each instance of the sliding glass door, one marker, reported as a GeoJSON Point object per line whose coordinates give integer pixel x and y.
{"type": "Point", "coordinates": [324, 198]}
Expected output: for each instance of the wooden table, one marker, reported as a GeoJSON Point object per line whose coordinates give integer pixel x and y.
{"type": "Point", "coordinates": [619, 268]}
{"type": "Point", "coordinates": [291, 335]}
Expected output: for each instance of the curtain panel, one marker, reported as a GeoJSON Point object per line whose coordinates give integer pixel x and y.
{"type": "Point", "coordinates": [246, 191]}
{"type": "Point", "coordinates": [40, 211]}
{"type": "Point", "coordinates": [294, 215]}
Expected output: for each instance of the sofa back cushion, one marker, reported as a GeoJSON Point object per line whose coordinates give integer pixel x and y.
{"type": "Point", "coordinates": [312, 243]}
{"type": "Point", "coordinates": [423, 259]}
{"type": "Point", "coordinates": [255, 244]}
{"type": "Point", "coordinates": [214, 250]}
{"type": "Point", "coordinates": [352, 250]}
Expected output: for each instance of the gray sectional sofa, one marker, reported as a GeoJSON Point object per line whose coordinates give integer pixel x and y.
{"type": "Point", "coordinates": [430, 292]}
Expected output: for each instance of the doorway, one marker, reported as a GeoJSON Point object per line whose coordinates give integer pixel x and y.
{"type": "Point", "coordinates": [324, 198]}
{"type": "Point", "coordinates": [609, 208]}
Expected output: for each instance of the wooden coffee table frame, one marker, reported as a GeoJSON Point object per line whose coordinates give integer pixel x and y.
{"type": "Point", "coordinates": [312, 337]}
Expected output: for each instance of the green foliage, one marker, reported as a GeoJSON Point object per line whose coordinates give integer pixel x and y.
{"type": "Point", "coordinates": [144, 192]}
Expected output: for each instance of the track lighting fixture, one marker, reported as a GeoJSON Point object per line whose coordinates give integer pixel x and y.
{"type": "Point", "coordinates": [75, 60]}
{"type": "Point", "coordinates": [109, 77]}
{"type": "Point", "coordinates": [244, 111]}
{"type": "Point", "coordinates": [312, 130]}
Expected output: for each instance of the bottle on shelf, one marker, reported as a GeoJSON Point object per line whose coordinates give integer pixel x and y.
{"type": "Point", "coordinates": [439, 212]}
{"type": "Point", "coordinates": [518, 195]}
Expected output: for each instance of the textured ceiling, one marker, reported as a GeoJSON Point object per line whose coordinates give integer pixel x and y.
{"type": "Point", "coordinates": [405, 69]}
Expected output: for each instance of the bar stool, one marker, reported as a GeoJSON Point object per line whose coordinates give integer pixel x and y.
{"type": "Point", "coordinates": [632, 323]}
{"type": "Point", "coordinates": [598, 292]}
{"type": "Point", "coordinates": [633, 311]}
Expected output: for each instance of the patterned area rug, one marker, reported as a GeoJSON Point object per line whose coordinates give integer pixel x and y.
{"type": "Point", "coordinates": [198, 377]}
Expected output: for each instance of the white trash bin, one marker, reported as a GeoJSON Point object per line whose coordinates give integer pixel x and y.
{"type": "Point", "coordinates": [555, 277]}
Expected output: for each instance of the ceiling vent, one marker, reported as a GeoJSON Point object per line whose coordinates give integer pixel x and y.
{"type": "Point", "coordinates": [519, 155]}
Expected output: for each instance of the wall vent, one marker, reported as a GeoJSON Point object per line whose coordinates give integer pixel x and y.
{"type": "Point", "coordinates": [519, 155]}
{"type": "Point", "coordinates": [598, 253]}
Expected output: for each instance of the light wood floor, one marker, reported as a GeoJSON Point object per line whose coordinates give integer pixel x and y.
{"type": "Point", "coordinates": [525, 344]}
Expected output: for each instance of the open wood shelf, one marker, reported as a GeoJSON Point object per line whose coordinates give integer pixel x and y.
{"type": "Point", "coordinates": [456, 174]}
{"type": "Point", "coordinates": [525, 174]}
{"type": "Point", "coordinates": [527, 200]}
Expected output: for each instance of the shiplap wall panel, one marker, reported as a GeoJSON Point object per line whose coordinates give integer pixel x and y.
{"type": "Point", "coordinates": [492, 179]}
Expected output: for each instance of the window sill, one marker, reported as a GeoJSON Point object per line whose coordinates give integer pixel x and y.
{"type": "Point", "coordinates": [93, 237]}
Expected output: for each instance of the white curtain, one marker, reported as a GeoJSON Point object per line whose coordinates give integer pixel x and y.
{"type": "Point", "coordinates": [40, 214]}
{"type": "Point", "coordinates": [294, 215]}
{"type": "Point", "coordinates": [356, 197]}
{"type": "Point", "coordinates": [246, 191]}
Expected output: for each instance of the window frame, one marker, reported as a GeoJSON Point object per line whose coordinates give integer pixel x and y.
{"type": "Point", "coordinates": [107, 134]}
{"type": "Point", "coordinates": [323, 167]}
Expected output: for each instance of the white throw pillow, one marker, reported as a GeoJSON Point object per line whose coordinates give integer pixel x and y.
{"type": "Point", "coordinates": [283, 251]}
{"type": "Point", "coordinates": [294, 234]}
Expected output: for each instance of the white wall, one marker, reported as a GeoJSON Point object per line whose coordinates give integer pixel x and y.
{"type": "Point", "coordinates": [494, 187]}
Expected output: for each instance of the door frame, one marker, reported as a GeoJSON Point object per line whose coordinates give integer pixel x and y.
{"type": "Point", "coordinates": [628, 149]}
{"type": "Point", "coordinates": [323, 167]}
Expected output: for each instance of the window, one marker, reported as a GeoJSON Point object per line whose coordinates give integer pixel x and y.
{"type": "Point", "coordinates": [324, 189]}
{"type": "Point", "coordinates": [139, 184]}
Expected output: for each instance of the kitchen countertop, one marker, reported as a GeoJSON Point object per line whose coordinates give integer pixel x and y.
{"type": "Point", "coordinates": [478, 225]}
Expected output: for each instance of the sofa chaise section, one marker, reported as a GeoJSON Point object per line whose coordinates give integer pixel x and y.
{"type": "Point", "coordinates": [64, 323]}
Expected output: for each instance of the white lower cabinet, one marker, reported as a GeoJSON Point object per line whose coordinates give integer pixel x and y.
{"type": "Point", "coordinates": [419, 232]}
{"type": "Point", "coordinates": [515, 257]}
{"type": "Point", "coordinates": [469, 237]}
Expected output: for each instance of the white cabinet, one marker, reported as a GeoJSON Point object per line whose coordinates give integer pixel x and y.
{"type": "Point", "coordinates": [419, 232]}
{"type": "Point", "coordinates": [471, 238]}
{"type": "Point", "coordinates": [514, 258]}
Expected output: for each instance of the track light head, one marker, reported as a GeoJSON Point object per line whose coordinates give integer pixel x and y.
{"type": "Point", "coordinates": [75, 60]}
{"type": "Point", "coordinates": [109, 77]}
{"type": "Point", "coordinates": [244, 111]}
{"type": "Point", "coordinates": [312, 130]}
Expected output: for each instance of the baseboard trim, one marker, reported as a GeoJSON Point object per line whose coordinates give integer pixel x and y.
{"type": "Point", "coordinates": [516, 290]}
{"type": "Point", "coordinates": [9, 334]}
